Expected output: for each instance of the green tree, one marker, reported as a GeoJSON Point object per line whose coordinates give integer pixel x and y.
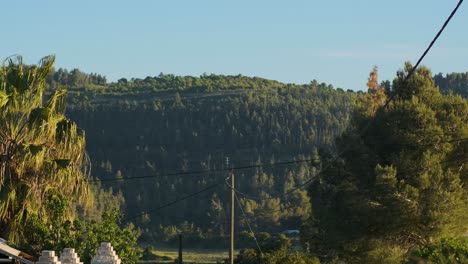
{"type": "Point", "coordinates": [399, 181]}
{"type": "Point", "coordinates": [42, 153]}
{"type": "Point", "coordinates": [89, 235]}
{"type": "Point", "coordinates": [217, 215]}
{"type": "Point", "coordinates": [84, 235]}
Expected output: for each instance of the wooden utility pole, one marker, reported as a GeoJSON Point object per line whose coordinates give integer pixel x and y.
{"type": "Point", "coordinates": [180, 249]}
{"type": "Point", "coordinates": [231, 250]}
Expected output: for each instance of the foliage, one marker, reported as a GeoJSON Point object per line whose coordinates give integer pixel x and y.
{"type": "Point", "coordinates": [42, 153]}
{"type": "Point", "coordinates": [384, 253]}
{"type": "Point", "coordinates": [104, 200]}
{"type": "Point", "coordinates": [170, 255]}
{"type": "Point", "coordinates": [54, 233]}
{"type": "Point", "coordinates": [399, 179]}
{"type": "Point", "coordinates": [447, 250]}
{"type": "Point", "coordinates": [83, 235]}
{"type": "Point", "coordinates": [275, 250]}
{"type": "Point", "coordinates": [91, 233]}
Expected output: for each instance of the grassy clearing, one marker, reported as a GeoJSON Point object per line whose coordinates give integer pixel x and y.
{"type": "Point", "coordinates": [195, 256]}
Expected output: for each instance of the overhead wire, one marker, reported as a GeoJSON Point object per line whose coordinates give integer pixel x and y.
{"type": "Point", "coordinates": [248, 223]}
{"type": "Point", "coordinates": [427, 50]}
{"type": "Point", "coordinates": [197, 172]}
{"type": "Point", "coordinates": [208, 171]}
{"type": "Point", "coordinates": [250, 196]}
{"type": "Point", "coordinates": [257, 198]}
{"type": "Point", "coordinates": [174, 201]}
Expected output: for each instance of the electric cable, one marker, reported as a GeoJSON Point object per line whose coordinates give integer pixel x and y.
{"type": "Point", "coordinates": [257, 165]}
{"type": "Point", "coordinates": [174, 202]}
{"type": "Point", "coordinates": [248, 223]}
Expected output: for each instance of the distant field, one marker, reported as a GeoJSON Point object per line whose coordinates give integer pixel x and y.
{"type": "Point", "coordinates": [195, 256]}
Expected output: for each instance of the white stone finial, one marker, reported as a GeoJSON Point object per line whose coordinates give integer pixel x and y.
{"type": "Point", "coordinates": [106, 255]}
{"type": "Point", "coordinates": [48, 257]}
{"type": "Point", "coordinates": [69, 256]}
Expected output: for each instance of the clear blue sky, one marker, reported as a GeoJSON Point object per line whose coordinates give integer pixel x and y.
{"type": "Point", "coordinates": [336, 42]}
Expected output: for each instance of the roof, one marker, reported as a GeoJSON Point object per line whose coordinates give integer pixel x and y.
{"type": "Point", "coordinates": [15, 254]}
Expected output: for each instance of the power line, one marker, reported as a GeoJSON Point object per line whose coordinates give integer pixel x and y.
{"type": "Point", "coordinates": [427, 50]}
{"type": "Point", "coordinates": [174, 202]}
{"type": "Point", "coordinates": [273, 196]}
{"type": "Point", "coordinates": [260, 198]}
{"type": "Point", "coordinates": [308, 202]}
{"type": "Point", "coordinates": [251, 197]}
{"type": "Point", "coordinates": [209, 171]}
{"type": "Point", "coordinates": [248, 224]}
{"type": "Point", "coordinates": [413, 69]}
{"type": "Point", "coordinates": [260, 165]}
{"type": "Point", "coordinates": [283, 208]}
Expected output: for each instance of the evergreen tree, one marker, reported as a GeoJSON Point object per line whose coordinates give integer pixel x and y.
{"type": "Point", "coordinates": [399, 180]}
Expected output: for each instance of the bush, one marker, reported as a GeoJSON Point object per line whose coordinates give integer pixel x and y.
{"type": "Point", "coordinates": [276, 250]}
{"type": "Point", "coordinates": [386, 254]}
{"type": "Point", "coordinates": [447, 250]}
{"type": "Point", "coordinates": [83, 235]}
{"type": "Point", "coordinates": [299, 258]}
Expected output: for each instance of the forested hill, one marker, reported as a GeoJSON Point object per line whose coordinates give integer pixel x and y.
{"type": "Point", "coordinates": [169, 124]}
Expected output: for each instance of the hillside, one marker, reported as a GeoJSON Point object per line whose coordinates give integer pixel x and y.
{"type": "Point", "coordinates": [171, 124]}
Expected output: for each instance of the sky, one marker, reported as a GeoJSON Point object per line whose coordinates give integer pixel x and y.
{"type": "Point", "coordinates": [294, 41]}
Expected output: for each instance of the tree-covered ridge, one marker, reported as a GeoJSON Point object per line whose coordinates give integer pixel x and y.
{"type": "Point", "coordinates": [75, 79]}
{"type": "Point", "coordinates": [85, 89]}
{"type": "Point", "coordinates": [92, 84]}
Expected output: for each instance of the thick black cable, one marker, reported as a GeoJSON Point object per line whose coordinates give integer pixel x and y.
{"type": "Point", "coordinates": [259, 165]}
{"type": "Point", "coordinates": [427, 50]}
{"type": "Point", "coordinates": [282, 208]}
{"type": "Point", "coordinates": [256, 198]}
{"type": "Point", "coordinates": [174, 202]}
{"type": "Point", "coordinates": [209, 171]}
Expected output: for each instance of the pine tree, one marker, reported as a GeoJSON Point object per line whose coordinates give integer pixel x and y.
{"type": "Point", "coordinates": [401, 174]}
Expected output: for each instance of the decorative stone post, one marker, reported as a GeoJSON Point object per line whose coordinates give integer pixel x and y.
{"type": "Point", "coordinates": [105, 255]}
{"type": "Point", "coordinates": [48, 257]}
{"type": "Point", "coordinates": [69, 256]}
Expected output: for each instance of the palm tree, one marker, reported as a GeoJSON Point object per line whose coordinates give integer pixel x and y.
{"type": "Point", "coordinates": [42, 153]}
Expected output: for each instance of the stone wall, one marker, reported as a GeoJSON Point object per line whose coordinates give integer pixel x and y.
{"type": "Point", "coordinates": [69, 256]}
{"type": "Point", "coordinates": [105, 255]}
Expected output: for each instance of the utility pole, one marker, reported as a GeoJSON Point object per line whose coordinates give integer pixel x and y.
{"type": "Point", "coordinates": [231, 248]}
{"type": "Point", "coordinates": [180, 248]}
